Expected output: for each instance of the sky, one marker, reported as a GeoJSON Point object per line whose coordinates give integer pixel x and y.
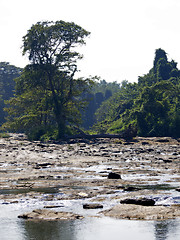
{"type": "Point", "coordinates": [124, 33]}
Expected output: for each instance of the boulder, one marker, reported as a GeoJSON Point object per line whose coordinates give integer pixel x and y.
{"type": "Point", "coordinates": [137, 212]}
{"type": "Point", "coordinates": [53, 206]}
{"type": "Point", "coordinates": [114, 176]}
{"type": "Point", "coordinates": [44, 214]}
{"type": "Point", "coordinates": [92, 206]}
{"type": "Point", "coordinates": [131, 189]}
{"type": "Point", "coordinates": [141, 201]}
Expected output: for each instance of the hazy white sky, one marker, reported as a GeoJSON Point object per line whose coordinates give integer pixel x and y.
{"type": "Point", "coordinates": [124, 33]}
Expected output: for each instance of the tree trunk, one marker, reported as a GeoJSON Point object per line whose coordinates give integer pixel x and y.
{"type": "Point", "coordinates": [58, 110]}
{"type": "Point", "coordinates": [61, 126]}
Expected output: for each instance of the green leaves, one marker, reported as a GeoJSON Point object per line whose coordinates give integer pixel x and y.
{"type": "Point", "coordinates": [152, 106]}
{"type": "Point", "coordinates": [46, 92]}
{"type": "Point", "coordinates": [52, 42]}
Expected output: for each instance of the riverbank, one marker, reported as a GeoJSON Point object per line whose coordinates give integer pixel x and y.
{"type": "Point", "coordinates": [56, 173]}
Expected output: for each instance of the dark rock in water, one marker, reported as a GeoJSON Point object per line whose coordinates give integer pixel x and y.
{"type": "Point", "coordinates": [92, 206]}
{"type": "Point", "coordinates": [131, 189]}
{"type": "Point", "coordinates": [178, 189]}
{"type": "Point", "coordinates": [142, 201]}
{"type": "Point", "coordinates": [53, 206]}
{"type": "Point", "coordinates": [43, 165]}
{"type": "Point", "coordinates": [167, 160]}
{"type": "Point", "coordinates": [114, 176]}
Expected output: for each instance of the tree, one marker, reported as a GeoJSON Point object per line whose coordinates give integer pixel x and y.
{"type": "Point", "coordinates": [152, 107]}
{"type": "Point", "coordinates": [7, 84]}
{"type": "Point", "coordinates": [100, 92]}
{"type": "Point", "coordinates": [159, 54]}
{"type": "Point", "coordinates": [50, 74]}
{"type": "Point", "coordinates": [158, 110]}
{"type": "Point", "coordinates": [113, 115]}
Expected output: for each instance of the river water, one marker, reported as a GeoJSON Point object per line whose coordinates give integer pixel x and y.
{"type": "Point", "coordinates": [89, 228]}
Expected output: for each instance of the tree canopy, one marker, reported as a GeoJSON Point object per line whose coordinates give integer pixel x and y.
{"type": "Point", "coordinates": [48, 97]}
{"type": "Point", "coordinates": [151, 106]}
{"type": "Point", "coordinates": [47, 92]}
{"type": "Point", "coordinates": [7, 84]}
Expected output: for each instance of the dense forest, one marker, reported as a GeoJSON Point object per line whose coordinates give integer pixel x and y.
{"type": "Point", "coordinates": [7, 85]}
{"type": "Point", "coordinates": [151, 106]}
{"type": "Point", "coordinates": [46, 101]}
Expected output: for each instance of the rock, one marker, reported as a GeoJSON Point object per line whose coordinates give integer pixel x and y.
{"type": "Point", "coordinates": [131, 189]}
{"type": "Point", "coordinates": [162, 140]}
{"type": "Point", "coordinates": [114, 176]}
{"type": "Point", "coordinates": [44, 214]}
{"type": "Point", "coordinates": [142, 201]}
{"type": "Point", "coordinates": [43, 165]}
{"type": "Point", "coordinates": [144, 143]}
{"type": "Point", "coordinates": [53, 206]}
{"type": "Point", "coordinates": [82, 194]}
{"type": "Point", "coordinates": [178, 189]}
{"type": "Point", "coordinates": [136, 212]}
{"type": "Point", "coordinates": [92, 206]}
{"type": "Point", "coordinates": [167, 160]}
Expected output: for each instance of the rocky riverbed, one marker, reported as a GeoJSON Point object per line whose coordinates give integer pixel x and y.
{"type": "Point", "coordinates": [66, 175]}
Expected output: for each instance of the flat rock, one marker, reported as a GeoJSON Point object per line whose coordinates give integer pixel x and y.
{"type": "Point", "coordinates": [44, 214]}
{"type": "Point", "coordinates": [113, 175]}
{"type": "Point", "coordinates": [137, 212]}
{"type": "Point", "coordinates": [141, 201]}
{"type": "Point", "coordinates": [53, 206]}
{"type": "Point", "coordinates": [131, 189]}
{"type": "Point", "coordinates": [92, 206]}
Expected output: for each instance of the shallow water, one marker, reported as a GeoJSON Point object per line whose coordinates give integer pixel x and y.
{"type": "Point", "coordinates": [90, 228]}
{"type": "Point", "coordinates": [17, 201]}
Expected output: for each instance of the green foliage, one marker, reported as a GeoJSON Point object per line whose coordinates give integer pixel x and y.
{"type": "Point", "coordinates": [48, 100]}
{"type": "Point", "coordinates": [47, 92]}
{"type": "Point", "coordinates": [98, 94]}
{"type": "Point", "coordinates": [7, 84]}
{"type": "Point", "coordinates": [4, 135]}
{"type": "Point", "coordinates": [43, 134]}
{"type": "Point", "coordinates": [152, 106]}
{"type": "Point", "coordinates": [115, 112]}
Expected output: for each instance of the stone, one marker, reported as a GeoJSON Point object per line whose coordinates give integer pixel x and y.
{"type": "Point", "coordinates": [141, 201]}
{"type": "Point", "coordinates": [114, 176]}
{"type": "Point", "coordinates": [131, 189]}
{"type": "Point", "coordinates": [92, 206]}
{"type": "Point", "coordinates": [137, 212]}
{"type": "Point", "coordinates": [44, 214]}
{"type": "Point", "coordinates": [162, 140]}
{"type": "Point", "coordinates": [178, 189]}
{"type": "Point", "coordinates": [43, 165]}
{"type": "Point", "coordinates": [53, 206]}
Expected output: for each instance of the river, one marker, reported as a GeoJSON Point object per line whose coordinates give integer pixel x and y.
{"type": "Point", "coordinates": [34, 175]}
{"type": "Point", "coordinates": [89, 228]}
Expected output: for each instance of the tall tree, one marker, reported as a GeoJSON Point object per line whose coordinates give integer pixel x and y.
{"type": "Point", "coordinates": [7, 84]}
{"type": "Point", "coordinates": [152, 106]}
{"type": "Point", "coordinates": [53, 64]}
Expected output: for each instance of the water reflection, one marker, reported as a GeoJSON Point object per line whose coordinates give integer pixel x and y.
{"type": "Point", "coordinates": [101, 229]}
{"type": "Point", "coordinates": [45, 230]}
{"type": "Point", "coordinates": [87, 229]}
{"type": "Point", "coordinates": [166, 230]}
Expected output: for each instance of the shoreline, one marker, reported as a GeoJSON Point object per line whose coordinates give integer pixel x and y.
{"type": "Point", "coordinates": [148, 167]}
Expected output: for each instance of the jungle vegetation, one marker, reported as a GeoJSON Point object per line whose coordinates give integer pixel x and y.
{"type": "Point", "coordinates": [151, 106]}
{"type": "Point", "coordinates": [46, 101]}
{"type": "Point", "coordinates": [7, 85]}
